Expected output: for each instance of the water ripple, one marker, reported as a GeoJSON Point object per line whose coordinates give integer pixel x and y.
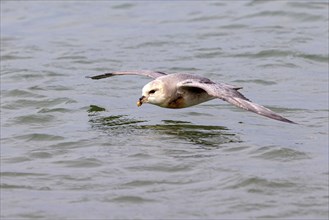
{"type": "Point", "coordinates": [281, 154]}
{"type": "Point", "coordinates": [257, 81]}
{"type": "Point", "coordinates": [130, 199]}
{"type": "Point", "coordinates": [20, 93]}
{"type": "Point", "coordinates": [23, 103]}
{"type": "Point", "coordinates": [284, 53]}
{"type": "Point", "coordinates": [296, 15]}
{"type": "Point", "coordinates": [81, 163]}
{"type": "Point", "coordinates": [39, 137]}
{"type": "Point", "coordinates": [257, 184]}
{"type": "Point", "coordinates": [34, 119]}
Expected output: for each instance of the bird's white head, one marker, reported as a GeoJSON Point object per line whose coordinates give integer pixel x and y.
{"type": "Point", "coordinates": [153, 93]}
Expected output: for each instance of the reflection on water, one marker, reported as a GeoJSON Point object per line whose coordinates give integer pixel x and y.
{"type": "Point", "coordinates": [203, 135]}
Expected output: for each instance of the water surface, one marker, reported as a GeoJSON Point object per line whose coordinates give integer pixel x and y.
{"type": "Point", "coordinates": [73, 148]}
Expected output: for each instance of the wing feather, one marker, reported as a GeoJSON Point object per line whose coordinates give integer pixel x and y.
{"type": "Point", "coordinates": [230, 94]}
{"type": "Point", "coordinates": [148, 73]}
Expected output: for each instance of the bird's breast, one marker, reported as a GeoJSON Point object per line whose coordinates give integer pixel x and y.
{"type": "Point", "coordinates": [177, 103]}
{"type": "Point", "coordinates": [187, 99]}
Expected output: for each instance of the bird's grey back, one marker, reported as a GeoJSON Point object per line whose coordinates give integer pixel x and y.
{"type": "Point", "coordinates": [178, 77]}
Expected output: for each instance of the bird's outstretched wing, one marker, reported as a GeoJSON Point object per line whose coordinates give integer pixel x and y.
{"type": "Point", "coordinates": [148, 73]}
{"type": "Point", "coordinates": [230, 94]}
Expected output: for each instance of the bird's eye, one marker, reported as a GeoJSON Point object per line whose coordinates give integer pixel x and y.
{"type": "Point", "coordinates": [152, 91]}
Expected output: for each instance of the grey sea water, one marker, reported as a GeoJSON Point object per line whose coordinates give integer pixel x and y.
{"type": "Point", "coordinates": [74, 148]}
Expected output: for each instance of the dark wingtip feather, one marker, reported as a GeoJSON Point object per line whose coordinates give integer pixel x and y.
{"type": "Point", "coordinates": [279, 118]}
{"type": "Point", "coordinates": [102, 76]}
{"type": "Point", "coordinates": [287, 120]}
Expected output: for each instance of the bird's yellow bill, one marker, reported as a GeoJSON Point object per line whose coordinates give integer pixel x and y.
{"type": "Point", "coordinates": [140, 101]}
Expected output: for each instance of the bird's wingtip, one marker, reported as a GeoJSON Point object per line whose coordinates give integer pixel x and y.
{"type": "Point", "coordinates": [291, 122]}
{"type": "Point", "coordinates": [105, 75]}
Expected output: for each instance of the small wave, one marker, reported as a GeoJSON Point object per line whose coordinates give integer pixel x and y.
{"type": "Point", "coordinates": [280, 154]}
{"type": "Point", "coordinates": [206, 18]}
{"type": "Point", "coordinates": [14, 57]}
{"type": "Point", "coordinates": [81, 163]}
{"type": "Point", "coordinates": [283, 53]}
{"type": "Point", "coordinates": [39, 137]}
{"type": "Point", "coordinates": [131, 199]}
{"type": "Point", "coordinates": [153, 44]}
{"type": "Point", "coordinates": [50, 110]}
{"type": "Point", "coordinates": [112, 121]}
{"type": "Point", "coordinates": [257, 183]}
{"type": "Point", "coordinates": [20, 93]}
{"type": "Point", "coordinates": [256, 81]}
{"type": "Point", "coordinates": [24, 103]}
{"type": "Point", "coordinates": [33, 119]}
{"type": "Point", "coordinates": [123, 6]}
{"type": "Point", "coordinates": [301, 16]}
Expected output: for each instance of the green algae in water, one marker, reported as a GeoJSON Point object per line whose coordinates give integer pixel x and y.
{"type": "Point", "coordinates": [95, 108]}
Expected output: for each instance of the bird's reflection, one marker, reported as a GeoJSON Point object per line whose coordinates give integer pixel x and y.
{"type": "Point", "coordinates": [202, 135]}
